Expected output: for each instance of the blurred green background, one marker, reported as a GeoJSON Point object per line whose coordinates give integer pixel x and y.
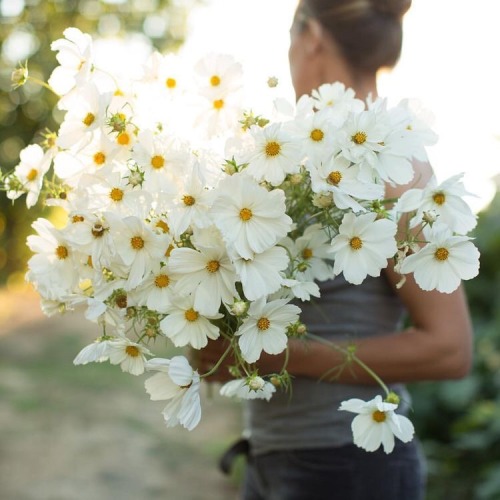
{"type": "Point", "coordinates": [458, 422]}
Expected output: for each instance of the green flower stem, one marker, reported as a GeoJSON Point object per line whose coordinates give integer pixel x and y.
{"type": "Point", "coordinates": [217, 365]}
{"type": "Point", "coordinates": [43, 84]}
{"type": "Point", "coordinates": [351, 356]}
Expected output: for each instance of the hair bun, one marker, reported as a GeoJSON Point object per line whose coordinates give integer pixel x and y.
{"type": "Point", "coordinates": [395, 8]}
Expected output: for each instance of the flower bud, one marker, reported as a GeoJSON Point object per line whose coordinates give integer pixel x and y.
{"type": "Point", "coordinates": [322, 200]}
{"type": "Point", "coordinates": [272, 82]}
{"type": "Point", "coordinates": [19, 76]}
{"type": "Point", "coordinates": [256, 383]}
{"type": "Point", "coordinates": [239, 307]}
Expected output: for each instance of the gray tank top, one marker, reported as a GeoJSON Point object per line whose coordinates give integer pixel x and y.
{"type": "Point", "coordinates": [309, 417]}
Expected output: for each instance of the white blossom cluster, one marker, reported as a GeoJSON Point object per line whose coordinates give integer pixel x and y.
{"type": "Point", "coordinates": [189, 218]}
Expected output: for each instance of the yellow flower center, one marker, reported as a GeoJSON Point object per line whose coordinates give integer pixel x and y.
{"type": "Point", "coordinates": [118, 93]}
{"type": "Point", "coordinates": [116, 194]}
{"type": "Point", "coordinates": [157, 161]}
{"type": "Point", "coordinates": [213, 266]}
{"type": "Point", "coordinates": [334, 178]}
{"type": "Point", "coordinates": [439, 198]}
{"type": "Point", "coordinates": [188, 200]}
{"type": "Point", "coordinates": [215, 81]}
{"type": "Point", "coordinates": [379, 416]}
{"type": "Point", "coordinates": [163, 226]}
{"type": "Point", "coordinates": [77, 218]}
{"type": "Point", "coordinates": [355, 243]}
{"type": "Point", "coordinates": [99, 158]}
{"type": "Point", "coordinates": [245, 214]}
{"type": "Point", "coordinates": [307, 253]}
{"type": "Point", "coordinates": [32, 175]}
{"type": "Point", "coordinates": [191, 315]}
{"type": "Point", "coordinates": [317, 135]}
{"type": "Point", "coordinates": [137, 242]}
{"type": "Point", "coordinates": [162, 281]}
{"type": "Point", "coordinates": [61, 252]}
{"type": "Point", "coordinates": [123, 139]}
{"type": "Point", "coordinates": [441, 254]}
{"type": "Point", "coordinates": [132, 351]}
{"type": "Point", "coordinates": [171, 83]}
{"type": "Point", "coordinates": [359, 137]}
{"type": "Point", "coordinates": [272, 148]}
{"type": "Point", "coordinates": [218, 104]}
{"type": "Point", "coordinates": [88, 120]}
{"type": "Point", "coordinates": [263, 324]}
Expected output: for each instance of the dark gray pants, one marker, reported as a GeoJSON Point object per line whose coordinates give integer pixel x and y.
{"type": "Point", "coordinates": [345, 473]}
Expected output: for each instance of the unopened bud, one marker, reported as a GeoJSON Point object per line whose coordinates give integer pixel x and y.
{"type": "Point", "coordinates": [272, 82]}
{"type": "Point", "coordinates": [239, 308]}
{"type": "Point", "coordinates": [19, 76]}
{"type": "Point", "coordinates": [256, 383]}
{"type": "Point", "coordinates": [322, 200]}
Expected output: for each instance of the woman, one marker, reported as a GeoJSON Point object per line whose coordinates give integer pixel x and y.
{"type": "Point", "coordinates": [301, 446]}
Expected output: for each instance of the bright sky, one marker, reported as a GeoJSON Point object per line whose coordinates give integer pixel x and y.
{"type": "Point", "coordinates": [449, 62]}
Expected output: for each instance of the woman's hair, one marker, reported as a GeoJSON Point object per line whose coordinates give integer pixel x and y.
{"type": "Point", "coordinates": [368, 32]}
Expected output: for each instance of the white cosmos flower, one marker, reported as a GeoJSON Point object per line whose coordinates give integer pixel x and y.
{"type": "Point", "coordinates": [338, 100]}
{"type": "Point", "coordinates": [274, 155]}
{"type": "Point", "coordinates": [112, 191]}
{"type": "Point", "coordinates": [97, 352]}
{"type": "Point", "coordinates": [178, 382]}
{"type": "Point", "coordinates": [253, 387]}
{"type": "Point", "coordinates": [161, 159]}
{"type": "Point", "coordinates": [377, 424]}
{"type": "Point", "coordinates": [217, 74]}
{"type": "Point", "coordinates": [155, 292]}
{"type": "Point", "coordinates": [293, 288]}
{"type": "Point", "coordinates": [265, 328]}
{"type": "Point", "coordinates": [191, 205]}
{"type": "Point", "coordinates": [444, 261]}
{"type": "Point", "coordinates": [317, 135]}
{"type": "Point", "coordinates": [90, 235]}
{"type": "Point", "coordinates": [75, 59]}
{"type": "Point", "coordinates": [52, 269]}
{"type": "Point", "coordinates": [260, 275]}
{"type": "Point", "coordinates": [311, 251]}
{"type": "Point", "coordinates": [340, 177]}
{"type": "Point", "coordinates": [445, 199]}
{"type": "Point", "coordinates": [363, 246]}
{"type": "Point", "coordinates": [137, 245]}
{"type": "Point", "coordinates": [129, 355]}
{"type": "Point", "coordinates": [85, 115]}
{"type": "Point", "coordinates": [250, 218]}
{"type": "Point", "coordinates": [30, 172]}
{"type": "Point", "coordinates": [184, 325]}
{"type": "Point", "coordinates": [207, 274]}
{"type": "Point", "coordinates": [362, 136]}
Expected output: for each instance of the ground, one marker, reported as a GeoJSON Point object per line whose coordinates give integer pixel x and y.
{"type": "Point", "coordinates": [91, 432]}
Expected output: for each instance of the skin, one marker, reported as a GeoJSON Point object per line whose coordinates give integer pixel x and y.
{"type": "Point", "coordinates": [438, 345]}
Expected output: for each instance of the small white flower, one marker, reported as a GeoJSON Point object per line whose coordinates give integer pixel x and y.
{"type": "Point", "coordinates": [185, 325]}
{"type": "Point", "coordinates": [445, 199]}
{"type": "Point", "coordinates": [261, 274]}
{"type": "Point", "coordinates": [75, 59]}
{"type": "Point", "coordinates": [265, 328]}
{"type": "Point", "coordinates": [377, 424]}
{"type": "Point", "coordinates": [97, 352]}
{"type": "Point", "coordinates": [337, 99]}
{"type": "Point", "coordinates": [444, 261]}
{"type": "Point", "coordinates": [253, 387]}
{"type": "Point", "coordinates": [249, 217]}
{"type": "Point", "coordinates": [363, 246]}
{"type": "Point", "coordinates": [178, 382]}
{"type": "Point", "coordinates": [129, 355]}
{"type": "Point", "coordinates": [274, 155]}
{"type": "Point", "coordinates": [30, 172]}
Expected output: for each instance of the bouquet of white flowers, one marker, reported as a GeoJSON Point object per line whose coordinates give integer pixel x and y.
{"type": "Point", "coordinates": [189, 217]}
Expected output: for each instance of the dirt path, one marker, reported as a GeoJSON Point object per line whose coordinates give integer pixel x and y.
{"type": "Point", "coordinates": [91, 433]}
